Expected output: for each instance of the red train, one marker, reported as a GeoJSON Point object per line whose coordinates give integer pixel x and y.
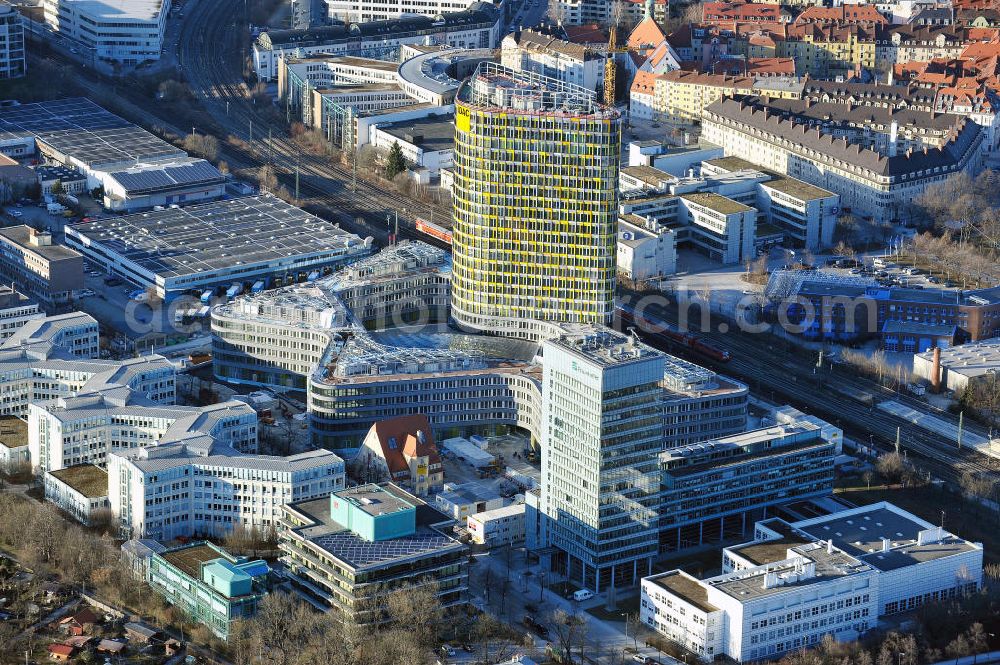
{"type": "Point", "coordinates": [655, 328]}
{"type": "Point", "coordinates": [433, 230]}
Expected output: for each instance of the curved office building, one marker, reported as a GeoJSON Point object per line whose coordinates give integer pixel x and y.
{"type": "Point", "coordinates": [313, 338]}
{"type": "Point", "coordinates": [535, 188]}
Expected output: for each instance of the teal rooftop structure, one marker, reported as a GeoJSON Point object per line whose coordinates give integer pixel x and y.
{"type": "Point", "coordinates": [373, 513]}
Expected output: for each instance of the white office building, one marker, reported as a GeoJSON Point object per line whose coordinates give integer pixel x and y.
{"type": "Point", "coordinates": [81, 491]}
{"type": "Point", "coordinates": [13, 59]}
{"type": "Point", "coordinates": [646, 250]}
{"type": "Point", "coordinates": [361, 11]}
{"type": "Point", "coordinates": [128, 32]}
{"type": "Point", "coordinates": [602, 428]}
{"type": "Point", "coordinates": [207, 488]}
{"type": "Point", "coordinates": [799, 582]}
{"type": "Point", "coordinates": [477, 27]}
{"type": "Point", "coordinates": [530, 51]}
{"type": "Point", "coordinates": [461, 501]}
{"type": "Point", "coordinates": [86, 428]}
{"type": "Point", "coordinates": [499, 527]}
{"type": "Point", "coordinates": [15, 310]}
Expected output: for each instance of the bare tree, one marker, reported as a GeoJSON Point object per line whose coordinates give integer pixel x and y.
{"type": "Point", "coordinates": [267, 178]}
{"type": "Point", "coordinates": [202, 145]}
{"type": "Point", "coordinates": [693, 13]}
{"type": "Point", "coordinates": [496, 642]}
{"type": "Point", "coordinates": [557, 12]}
{"type": "Point", "coordinates": [570, 631]}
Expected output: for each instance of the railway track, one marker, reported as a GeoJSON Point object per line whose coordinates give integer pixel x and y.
{"type": "Point", "coordinates": [210, 58]}
{"type": "Point", "coordinates": [769, 369]}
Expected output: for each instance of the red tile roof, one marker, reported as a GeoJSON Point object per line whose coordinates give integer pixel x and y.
{"type": "Point", "coordinates": [845, 14]}
{"type": "Point", "coordinates": [644, 83]}
{"type": "Point", "coordinates": [714, 13]}
{"type": "Point", "coordinates": [589, 33]}
{"type": "Point", "coordinates": [399, 440]}
{"type": "Point", "coordinates": [62, 650]}
{"type": "Point", "coordinates": [647, 34]}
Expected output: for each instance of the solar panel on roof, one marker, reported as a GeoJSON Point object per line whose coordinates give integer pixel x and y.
{"type": "Point", "coordinates": [80, 128]}
{"type": "Point", "coordinates": [352, 549]}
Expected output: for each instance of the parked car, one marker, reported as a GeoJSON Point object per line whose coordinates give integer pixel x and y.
{"type": "Point", "coordinates": [538, 628]}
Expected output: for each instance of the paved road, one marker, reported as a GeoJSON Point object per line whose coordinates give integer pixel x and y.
{"type": "Point", "coordinates": [605, 641]}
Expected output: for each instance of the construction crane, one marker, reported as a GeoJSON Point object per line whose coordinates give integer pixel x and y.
{"type": "Point", "coordinates": [610, 67]}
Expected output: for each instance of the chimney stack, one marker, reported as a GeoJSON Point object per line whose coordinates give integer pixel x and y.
{"type": "Point", "coordinates": [936, 371]}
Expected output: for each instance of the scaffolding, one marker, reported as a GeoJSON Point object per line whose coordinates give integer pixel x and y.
{"type": "Point", "coordinates": [363, 356]}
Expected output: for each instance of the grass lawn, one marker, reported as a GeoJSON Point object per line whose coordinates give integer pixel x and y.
{"type": "Point", "coordinates": [961, 517]}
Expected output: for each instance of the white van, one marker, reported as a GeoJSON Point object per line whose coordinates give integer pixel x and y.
{"type": "Point", "coordinates": [583, 594]}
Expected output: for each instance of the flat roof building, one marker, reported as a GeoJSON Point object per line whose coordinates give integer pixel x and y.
{"type": "Point", "coordinates": [14, 454]}
{"type": "Point", "coordinates": [427, 143]}
{"type": "Point", "coordinates": [126, 32]}
{"type": "Point", "coordinates": [172, 182]}
{"type": "Point", "coordinates": [70, 179]}
{"type": "Point", "coordinates": [77, 131]}
{"type": "Point", "coordinates": [135, 168]}
{"type": "Point", "coordinates": [834, 575]}
{"type": "Point", "coordinates": [81, 491]}
{"type": "Point", "coordinates": [348, 550]}
{"type": "Point", "coordinates": [211, 586]}
{"type": "Point", "coordinates": [211, 245]}
{"type": "Point", "coordinates": [433, 76]}
{"type": "Point", "coordinates": [498, 527]}
{"type": "Point", "coordinates": [16, 309]}
{"type": "Point", "coordinates": [460, 501]}
{"type": "Point", "coordinates": [961, 365]}
{"type": "Point", "coordinates": [31, 263]}
{"type": "Point", "coordinates": [770, 465]}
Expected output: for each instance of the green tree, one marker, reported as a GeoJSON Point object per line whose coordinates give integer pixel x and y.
{"type": "Point", "coordinates": [395, 163]}
{"type": "Point", "coordinates": [57, 188]}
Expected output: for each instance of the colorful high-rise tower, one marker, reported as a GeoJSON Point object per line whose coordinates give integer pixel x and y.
{"type": "Point", "coordinates": [535, 204]}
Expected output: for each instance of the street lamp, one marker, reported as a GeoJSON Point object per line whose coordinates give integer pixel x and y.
{"type": "Point", "coordinates": [899, 656]}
